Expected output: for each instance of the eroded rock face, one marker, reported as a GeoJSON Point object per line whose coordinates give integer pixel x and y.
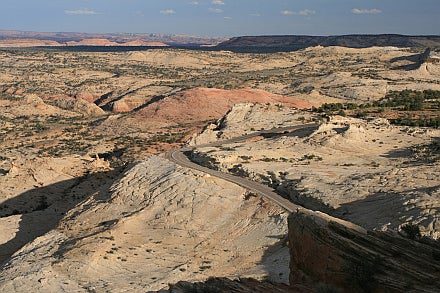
{"type": "Point", "coordinates": [245, 118]}
{"type": "Point", "coordinates": [325, 251]}
{"type": "Point", "coordinates": [77, 105]}
{"type": "Point", "coordinates": [157, 224]}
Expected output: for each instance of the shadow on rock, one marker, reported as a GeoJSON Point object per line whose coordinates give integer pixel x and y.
{"type": "Point", "coordinates": [41, 209]}
{"type": "Point", "coordinates": [300, 133]}
{"type": "Point", "coordinates": [416, 60]}
{"type": "Point", "coordinates": [378, 210]}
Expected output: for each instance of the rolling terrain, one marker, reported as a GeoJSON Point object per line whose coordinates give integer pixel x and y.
{"type": "Point", "coordinates": [169, 169]}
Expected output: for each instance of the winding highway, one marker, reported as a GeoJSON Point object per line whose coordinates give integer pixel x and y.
{"type": "Point", "coordinates": [178, 156]}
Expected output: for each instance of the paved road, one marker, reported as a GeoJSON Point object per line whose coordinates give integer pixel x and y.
{"type": "Point", "coordinates": [179, 157]}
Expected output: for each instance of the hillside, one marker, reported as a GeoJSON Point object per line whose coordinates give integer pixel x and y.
{"type": "Point", "coordinates": [292, 43]}
{"type": "Point", "coordinates": [146, 230]}
{"type": "Point", "coordinates": [203, 104]}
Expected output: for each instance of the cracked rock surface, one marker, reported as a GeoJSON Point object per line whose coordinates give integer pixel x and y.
{"type": "Point", "coordinates": [157, 224]}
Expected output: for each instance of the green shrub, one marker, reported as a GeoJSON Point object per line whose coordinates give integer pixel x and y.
{"type": "Point", "coordinates": [412, 231]}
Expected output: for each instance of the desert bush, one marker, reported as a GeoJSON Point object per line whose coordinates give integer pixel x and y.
{"type": "Point", "coordinates": [412, 231]}
{"type": "Point", "coordinates": [342, 113]}
{"type": "Point", "coordinates": [42, 204]}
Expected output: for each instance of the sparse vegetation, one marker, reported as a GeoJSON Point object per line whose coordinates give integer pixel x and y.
{"type": "Point", "coordinates": [73, 152]}
{"type": "Point", "coordinates": [411, 231]}
{"type": "Point", "coordinates": [428, 152]}
{"type": "Point", "coordinates": [413, 108]}
{"type": "Point", "coordinates": [42, 204]}
{"type": "Point", "coordinates": [311, 157]}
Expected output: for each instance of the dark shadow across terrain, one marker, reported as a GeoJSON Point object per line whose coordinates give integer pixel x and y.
{"type": "Point", "coordinates": [42, 209]}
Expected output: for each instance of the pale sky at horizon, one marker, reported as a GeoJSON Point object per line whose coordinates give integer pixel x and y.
{"type": "Point", "coordinates": [224, 17]}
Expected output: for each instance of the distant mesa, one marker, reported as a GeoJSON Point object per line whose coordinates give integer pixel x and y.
{"type": "Point", "coordinates": [29, 43]}
{"type": "Point", "coordinates": [26, 43]}
{"type": "Point", "coordinates": [291, 43]}
{"type": "Point", "coordinates": [106, 42]}
{"type": "Point", "coordinates": [140, 43]}
{"type": "Point", "coordinates": [9, 38]}
{"type": "Point", "coordinates": [92, 42]}
{"type": "Point", "coordinates": [250, 44]}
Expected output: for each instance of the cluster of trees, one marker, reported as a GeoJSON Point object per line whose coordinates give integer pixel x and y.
{"type": "Point", "coordinates": [407, 100]}
{"type": "Point", "coordinates": [426, 94]}
{"type": "Point", "coordinates": [432, 122]}
{"type": "Point", "coordinates": [335, 107]}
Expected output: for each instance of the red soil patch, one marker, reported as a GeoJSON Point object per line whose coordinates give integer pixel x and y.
{"type": "Point", "coordinates": [202, 104]}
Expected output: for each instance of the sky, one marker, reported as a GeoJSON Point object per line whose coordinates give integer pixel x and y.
{"type": "Point", "coordinates": [223, 17]}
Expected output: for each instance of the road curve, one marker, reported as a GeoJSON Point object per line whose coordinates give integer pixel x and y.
{"type": "Point", "coordinates": [178, 156]}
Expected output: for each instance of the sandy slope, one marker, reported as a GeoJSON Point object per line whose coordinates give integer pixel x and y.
{"type": "Point", "coordinates": [158, 224]}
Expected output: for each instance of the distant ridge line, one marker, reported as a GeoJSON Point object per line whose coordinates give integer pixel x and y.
{"type": "Point", "coordinates": [298, 42]}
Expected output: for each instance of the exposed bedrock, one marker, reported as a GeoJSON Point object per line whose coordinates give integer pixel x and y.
{"type": "Point", "coordinates": [347, 260]}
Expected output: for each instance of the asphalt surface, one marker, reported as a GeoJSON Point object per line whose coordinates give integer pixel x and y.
{"type": "Point", "coordinates": [179, 157]}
